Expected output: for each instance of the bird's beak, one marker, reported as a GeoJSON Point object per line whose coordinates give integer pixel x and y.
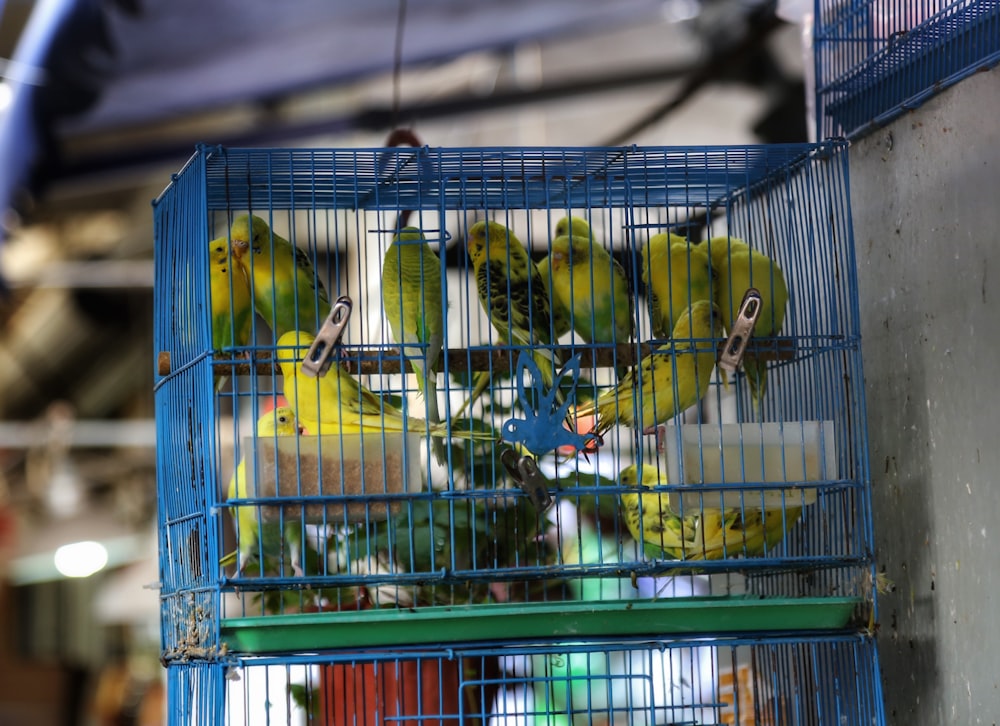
{"type": "Point", "coordinates": [240, 246]}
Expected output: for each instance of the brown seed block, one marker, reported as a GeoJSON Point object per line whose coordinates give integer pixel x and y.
{"type": "Point", "coordinates": [354, 465]}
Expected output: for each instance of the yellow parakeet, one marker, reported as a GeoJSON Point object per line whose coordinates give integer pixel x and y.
{"type": "Point", "coordinates": [411, 298]}
{"type": "Point", "coordinates": [589, 282]}
{"type": "Point", "coordinates": [710, 534]}
{"type": "Point", "coordinates": [286, 291]}
{"type": "Point", "coordinates": [337, 402]}
{"type": "Point", "coordinates": [737, 268]}
{"type": "Point", "coordinates": [253, 539]}
{"type": "Point", "coordinates": [649, 518]}
{"type": "Point", "coordinates": [232, 307]}
{"type": "Point", "coordinates": [676, 275]}
{"type": "Point", "coordinates": [651, 394]}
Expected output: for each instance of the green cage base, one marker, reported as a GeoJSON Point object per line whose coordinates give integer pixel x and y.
{"type": "Point", "coordinates": [312, 632]}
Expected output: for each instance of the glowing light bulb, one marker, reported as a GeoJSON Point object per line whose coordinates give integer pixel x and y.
{"type": "Point", "coordinates": [81, 559]}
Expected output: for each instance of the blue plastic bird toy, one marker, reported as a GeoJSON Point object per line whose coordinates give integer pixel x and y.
{"type": "Point", "coordinates": [542, 430]}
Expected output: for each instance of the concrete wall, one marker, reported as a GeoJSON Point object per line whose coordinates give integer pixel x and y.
{"type": "Point", "coordinates": [927, 227]}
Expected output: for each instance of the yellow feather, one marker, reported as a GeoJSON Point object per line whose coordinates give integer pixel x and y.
{"type": "Point", "coordinates": [710, 534]}
{"type": "Point", "coordinates": [590, 283]}
{"type": "Point", "coordinates": [338, 403]}
{"type": "Point", "coordinates": [653, 387]}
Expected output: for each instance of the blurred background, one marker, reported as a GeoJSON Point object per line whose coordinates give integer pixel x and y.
{"type": "Point", "coordinates": [102, 100]}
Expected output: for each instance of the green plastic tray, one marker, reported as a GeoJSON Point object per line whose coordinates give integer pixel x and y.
{"type": "Point", "coordinates": [569, 619]}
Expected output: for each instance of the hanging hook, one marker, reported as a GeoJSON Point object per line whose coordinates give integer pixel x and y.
{"type": "Point", "coordinates": [402, 137]}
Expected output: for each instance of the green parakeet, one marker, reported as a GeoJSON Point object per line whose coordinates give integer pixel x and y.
{"type": "Point", "coordinates": [737, 268]}
{"type": "Point", "coordinates": [560, 315]}
{"type": "Point", "coordinates": [286, 292]}
{"type": "Point", "coordinates": [411, 298]}
{"type": "Point", "coordinates": [513, 295]}
{"type": "Point", "coordinates": [593, 286]}
{"type": "Point", "coordinates": [676, 275]}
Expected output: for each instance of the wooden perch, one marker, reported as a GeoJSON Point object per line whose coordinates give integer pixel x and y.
{"type": "Point", "coordinates": [499, 360]}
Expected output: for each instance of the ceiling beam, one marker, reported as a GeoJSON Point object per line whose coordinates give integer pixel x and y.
{"type": "Point", "coordinates": [275, 129]}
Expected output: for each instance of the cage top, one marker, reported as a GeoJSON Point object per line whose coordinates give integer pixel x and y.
{"type": "Point", "coordinates": [487, 177]}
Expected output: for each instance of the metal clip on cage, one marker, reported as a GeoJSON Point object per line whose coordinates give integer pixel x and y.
{"type": "Point", "coordinates": [319, 358]}
{"type": "Point", "coordinates": [746, 320]}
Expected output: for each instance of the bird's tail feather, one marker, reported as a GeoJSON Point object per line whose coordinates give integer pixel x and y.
{"type": "Point", "coordinates": [427, 383]}
{"type": "Point", "coordinates": [756, 373]}
{"type": "Point", "coordinates": [394, 423]}
{"type": "Point", "coordinates": [605, 407]}
{"type": "Point", "coordinates": [547, 361]}
{"type": "Point", "coordinates": [479, 384]}
{"type": "Point", "coordinates": [229, 559]}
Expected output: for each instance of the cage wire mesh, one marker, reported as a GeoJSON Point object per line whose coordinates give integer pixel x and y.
{"type": "Point", "coordinates": [283, 493]}
{"type": "Point", "coordinates": [815, 681]}
{"type": "Point", "coordinates": [875, 59]}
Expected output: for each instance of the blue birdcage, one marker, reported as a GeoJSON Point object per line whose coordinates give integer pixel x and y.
{"type": "Point", "coordinates": [818, 680]}
{"type": "Point", "coordinates": [648, 383]}
{"type": "Point", "coordinates": [876, 59]}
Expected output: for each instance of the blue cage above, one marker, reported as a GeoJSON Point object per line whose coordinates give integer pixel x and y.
{"type": "Point", "coordinates": [876, 59]}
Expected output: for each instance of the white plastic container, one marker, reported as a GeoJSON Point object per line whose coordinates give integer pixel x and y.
{"type": "Point", "coordinates": [749, 453]}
